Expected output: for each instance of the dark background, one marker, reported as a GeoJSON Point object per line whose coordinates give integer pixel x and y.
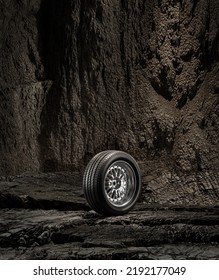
{"type": "Point", "coordinates": [142, 76]}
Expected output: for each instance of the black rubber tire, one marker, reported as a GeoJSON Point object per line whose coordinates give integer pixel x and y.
{"type": "Point", "coordinates": [107, 192]}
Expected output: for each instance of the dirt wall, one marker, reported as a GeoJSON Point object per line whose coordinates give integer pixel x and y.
{"type": "Point", "coordinates": [78, 77]}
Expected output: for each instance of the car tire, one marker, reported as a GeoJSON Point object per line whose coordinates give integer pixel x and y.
{"type": "Point", "coordinates": [112, 183]}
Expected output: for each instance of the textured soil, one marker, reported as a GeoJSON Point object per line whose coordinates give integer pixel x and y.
{"type": "Point", "coordinates": [80, 77]}
{"type": "Point", "coordinates": [52, 221]}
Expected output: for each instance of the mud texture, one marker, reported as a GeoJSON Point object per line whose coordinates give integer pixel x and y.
{"type": "Point", "coordinates": [79, 77]}
{"type": "Point", "coordinates": [47, 217]}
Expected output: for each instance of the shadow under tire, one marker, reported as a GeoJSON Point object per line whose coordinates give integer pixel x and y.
{"type": "Point", "coordinates": [112, 183]}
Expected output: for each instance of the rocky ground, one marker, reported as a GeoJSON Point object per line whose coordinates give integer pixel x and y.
{"type": "Point", "coordinates": [45, 216]}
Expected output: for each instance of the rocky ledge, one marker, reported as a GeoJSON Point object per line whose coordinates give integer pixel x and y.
{"type": "Point", "coordinates": [45, 216]}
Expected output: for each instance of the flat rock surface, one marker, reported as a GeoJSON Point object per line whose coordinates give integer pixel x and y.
{"type": "Point", "coordinates": [45, 216]}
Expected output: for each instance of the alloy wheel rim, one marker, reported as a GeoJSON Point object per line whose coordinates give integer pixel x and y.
{"type": "Point", "coordinates": [120, 184]}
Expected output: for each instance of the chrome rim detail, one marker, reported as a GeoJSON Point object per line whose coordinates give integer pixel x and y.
{"type": "Point", "coordinates": [120, 183]}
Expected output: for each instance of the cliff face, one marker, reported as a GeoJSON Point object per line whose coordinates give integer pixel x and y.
{"type": "Point", "coordinates": [78, 77]}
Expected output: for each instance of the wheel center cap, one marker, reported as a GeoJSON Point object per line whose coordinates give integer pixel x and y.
{"type": "Point", "coordinates": [116, 183]}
